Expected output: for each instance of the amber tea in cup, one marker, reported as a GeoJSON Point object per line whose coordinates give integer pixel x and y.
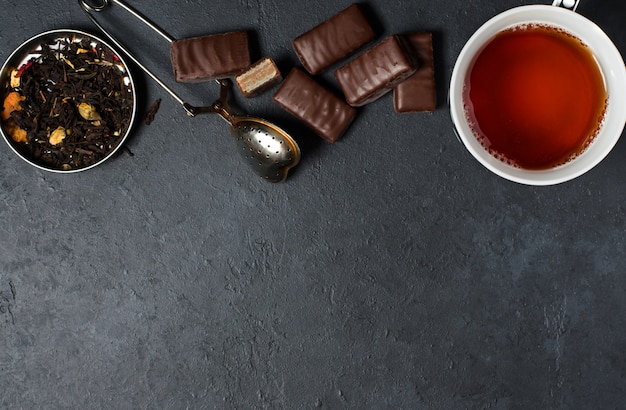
{"type": "Point", "coordinates": [534, 96]}
{"type": "Point", "coordinates": [537, 94]}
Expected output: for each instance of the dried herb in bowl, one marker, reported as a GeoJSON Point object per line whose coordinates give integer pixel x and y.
{"type": "Point", "coordinates": [70, 105]}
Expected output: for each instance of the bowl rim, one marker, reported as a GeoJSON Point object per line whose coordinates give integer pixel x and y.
{"type": "Point", "coordinates": [26, 50]}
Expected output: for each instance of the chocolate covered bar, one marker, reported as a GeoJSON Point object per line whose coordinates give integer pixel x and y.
{"type": "Point", "coordinates": [259, 77]}
{"type": "Point", "coordinates": [210, 57]}
{"type": "Point", "coordinates": [376, 72]}
{"type": "Point", "coordinates": [333, 40]}
{"type": "Point", "coordinates": [418, 92]}
{"type": "Point", "coordinates": [317, 107]}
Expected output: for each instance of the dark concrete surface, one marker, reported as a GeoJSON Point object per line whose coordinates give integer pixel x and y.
{"type": "Point", "coordinates": [390, 271]}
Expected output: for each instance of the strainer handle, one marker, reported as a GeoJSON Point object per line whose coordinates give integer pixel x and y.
{"type": "Point", "coordinates": [89, 9]}
{"type": "Point", "coordinates": [220, 106]}
{"type": "Point", "coordinates": [567, 4]}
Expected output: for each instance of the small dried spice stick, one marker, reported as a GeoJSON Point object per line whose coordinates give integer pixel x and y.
{"type": "Point", "coordinates": [317, 107]}
{"type": "Point", "coordinates": [376, 72]}
{"type": "Point", "coordinates": [210, 57]}
{"type": "Point", "coordinates": [261, 76]}
{"type": "Point", "coordinates": [418, 92]}
{"type": "Point", "coordinates": [333, 40]}
{"type": "Point", "coordinates": [149, 115]}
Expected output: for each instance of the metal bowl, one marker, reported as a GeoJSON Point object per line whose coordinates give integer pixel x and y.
{"type": "Point", "coordinates": [32, 49]}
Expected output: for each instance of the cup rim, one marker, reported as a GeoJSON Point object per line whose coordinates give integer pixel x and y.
{"type": "Point", "coordinates": [610, 63]}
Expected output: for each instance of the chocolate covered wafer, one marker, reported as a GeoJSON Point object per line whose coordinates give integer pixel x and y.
{"type": "Point", "coordinates": [418, 92]}
{"type": "Point", "coordinates": [333, 40]}
{"type": "Point", "coordinates": [376, 72]}
{"type": "Point", "coordinates": [317, 107]}
{"type": "Point", "coordinates": [210, 57]}
{"type": "Point", "coordinates": [259, 77]}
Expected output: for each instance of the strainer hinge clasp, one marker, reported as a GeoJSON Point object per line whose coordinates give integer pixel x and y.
{"type": "Point", "coordinates": [567, 4]}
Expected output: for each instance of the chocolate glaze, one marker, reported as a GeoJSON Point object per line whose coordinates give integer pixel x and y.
{"type": "Point", "coordinates": [317, 107]}
{"type": "Point", "coordinates": [375, 72]}
{"type": "Point", "coordinates": [418, 92]}
{"type": "Point", "coordinates": [210, 57]}
{"type": "Point", "coordinates": [333, 40]}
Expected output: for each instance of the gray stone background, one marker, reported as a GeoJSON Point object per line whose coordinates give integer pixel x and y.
{"type": "Point", "coordinates": [390, 271]}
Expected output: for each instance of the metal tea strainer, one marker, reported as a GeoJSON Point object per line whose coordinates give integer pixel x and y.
{"type": "Point", "coordinates": [267, 148]}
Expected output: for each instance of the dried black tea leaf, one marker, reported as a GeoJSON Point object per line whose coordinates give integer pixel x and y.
{"type": "Point", "coordinates": [69, 107]}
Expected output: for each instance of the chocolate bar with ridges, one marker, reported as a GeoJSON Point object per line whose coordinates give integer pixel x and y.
{"type": "Point", "coordinates": [334, 39]}
{"type": "Point", "coordinates": [418, 92]}
{"type": "Point", "coordinates": [376, 72]}
{"type": "Point", "coordinates": [210, 57]}
{"type": "Point", "coordinates": [313, 104]}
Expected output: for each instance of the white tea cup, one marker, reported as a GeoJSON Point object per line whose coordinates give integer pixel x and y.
{"type": "Point", "coordinates": [609, 62]}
